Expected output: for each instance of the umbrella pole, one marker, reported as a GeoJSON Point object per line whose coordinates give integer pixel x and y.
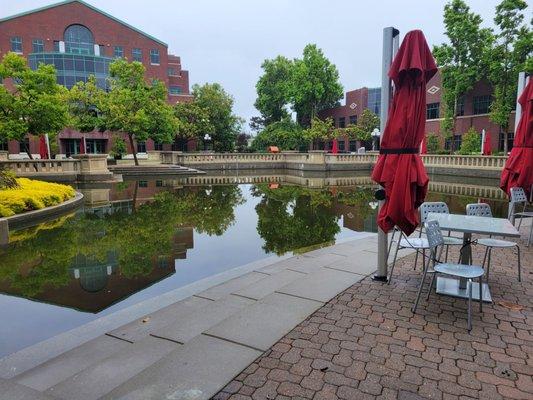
{"type": "Point", "coordinates": [391, 41]}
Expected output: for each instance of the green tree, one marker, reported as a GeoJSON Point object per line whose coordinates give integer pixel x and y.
{"type": "Point", "coordinates": [193, 120]}
{"type": "Point", "coordinates": [314, 85]}
{"type": "Point", "coordinates": [433, 143]}
{"type": "Point", "coordinates": [513, 45]}
{"type": "Point", "coordinates": [471, 143]}
{"type": "Point", "coordinates": [320, 130]}
{"type": "Point", "coordinates": [462, 61]}
{"type": "Point", "coordinates": [219, 106]}
{"type": "Point", "coordinates": [273, 89]}
{"type": "Point", "coordinates": [366, 123]}
{"type": "Point", "coordinates": [137, 108]}
{"type": "Point", "coordinates": [285, 134]}
{"type": "Point", "coordinates": [35, 105]}
{"type": "Point", "coordinates": [84, 101]}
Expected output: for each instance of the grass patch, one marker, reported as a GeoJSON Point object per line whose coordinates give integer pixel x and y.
{"type": "Point", "coordinates": [32, 195]}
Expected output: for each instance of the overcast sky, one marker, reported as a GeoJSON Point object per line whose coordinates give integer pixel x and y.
{"type": "Point", "coordinates": [226, 41]}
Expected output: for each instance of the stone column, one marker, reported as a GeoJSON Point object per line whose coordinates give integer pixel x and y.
{"type": "Point", "coordinates": [4, 155]}
{"type": "Point", "coordinates": [93, 167]}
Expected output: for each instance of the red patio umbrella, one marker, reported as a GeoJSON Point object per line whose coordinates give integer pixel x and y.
{"type": "Point", "coordinates": [82, 145]}
{"type": "Point", "coordinates": [43, 148]}
{"type": "Point", "coordinates": [424, 147]}
{"type": "Point", "coordinates": [487, 146]}
{"type": "Point", "coordinates": [335, 147]}
{"type": "Point", "coordinates": [518, 170]}
{"type": "Point", "coordinates": [399, 168]}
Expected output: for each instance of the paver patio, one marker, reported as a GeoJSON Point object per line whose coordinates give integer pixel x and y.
{"type": "Point", "coordinates": [367, 344]}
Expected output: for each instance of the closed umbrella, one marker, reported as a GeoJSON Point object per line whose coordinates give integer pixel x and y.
{"type": "Point", "coordinates": [518, 170]}
{"type": "Point", "coordinates": [487, 146]}
{"type": "Point", "coordinates": [82, 146]}
{"type": "Point", "coordinates": [399, 168]}
{"type": "Point", "coordinates": [424, 147]}
{"type": "Point", "coordinates": [43, 148]}
{"type": "Point", "coordinates": [335, 147]}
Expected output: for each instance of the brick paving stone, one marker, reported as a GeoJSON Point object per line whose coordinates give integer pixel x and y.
{"type": "Point", "coordinates": [367, 344]}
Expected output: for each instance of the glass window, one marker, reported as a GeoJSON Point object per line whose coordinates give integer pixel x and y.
{"type": "Point", "coordinates": [118, 52]}
{"type": "Point", "coordinates": [374, 100]}
{"type": "Point", "coordinates": [143, 184]}
{"type": "Point", "coordinates": [137, 54]}
{"type": "Point", "coordinates": [16, 44]}
{"type": "Point", "coordinates": [341, 145]}
{"type": "Point", "coordinates": [154, 56]}
{"type": "Point", "coordinates": [174, 90]}
{"type": "Point", "coordinates": [461, 106]}
{"type": "Point", "coordinates": [171, 71]}
{"type": "Point", "coordinates": [510, 141]}
{"type": "Point", "coordinates": [342, 122]}
{"type": "Point", "coordinates": [24, 145]}
{"type": "Point", "coordinates": [95, 146]}
{"type": "Point", "coordinates": [482, 104]}
{"type": "Point", "coordinates": [353, 145]}
{"type": "Point", "coordinates": [56, 46]}
{"type": "Point", "coordinates": [141, 147]}
{"type": "Point", "coordinates": [456, 143]}
{"type": "Point", "coordinates": [37, 45]}
{"type": "Point", "coordinates": [158, 146]}
{"type": "Point", "coordinates": [158, 183]}
{"type": "Point", "coordinates": [432, 110]}
{"type": "Point", "coordinates": [333, 122]}
{"type": "Point", "coordinates": [3, 144]}
{"type": "Point", "coordinates": [353, 119]}
{"type": "Point", "coordinates": [79, 40]}
{"type": "Point", "coordinates": [102, 50]}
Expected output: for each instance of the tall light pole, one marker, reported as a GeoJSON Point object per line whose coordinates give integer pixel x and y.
{"type": "Point", "coordinates": [391, 43]}
{"type": "Point", "coordinates": [207, 138]}
{"type": "Point", "coordinates": [375, 137]}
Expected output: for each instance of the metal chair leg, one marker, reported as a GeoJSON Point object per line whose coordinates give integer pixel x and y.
{"type": "Point", "coordinates": [469, 304]}
{"type": "Point", "coordinates": [481, 293]}
{"type": "Point", "coordinates": [488, 263]}
{"type": "Point", "coordinates": [530, 234]}
{"type": "Point", "coordinates": [394, 262]}
{"type": "Point", "coordinates": [485, 257]}
{"type": "Point", "coordinates": [519, 266]}
{"type": "Point", "coordinates": [421, 285]}
{"type": "Point", "coordinates": [431, 285]}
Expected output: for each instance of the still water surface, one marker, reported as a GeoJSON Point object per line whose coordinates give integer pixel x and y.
{"type": "Point", "coordinates": [139, 239]}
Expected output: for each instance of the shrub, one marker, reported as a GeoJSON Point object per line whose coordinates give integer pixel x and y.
{"type": "Point", "coordinates": [119, 147]}
{"type": "Point", "coordinates": [471, 143]}
{"type": "Point", "coordinates": [285, 134]}
{"type": "Point", "coordinates": [433, 143]}
{"type": "Point", "coordinates": [32, 195]}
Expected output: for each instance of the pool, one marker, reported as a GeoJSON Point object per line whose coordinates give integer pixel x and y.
{"type": "Point", "coordinates": [138, 239]}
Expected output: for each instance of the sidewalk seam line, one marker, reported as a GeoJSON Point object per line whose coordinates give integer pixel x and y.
{"type": "Point", "coordinates": [118, 338]}
{"type": "Point", "coordinates": [164, 338]}
{"type": "Point", "coordinates": [235, 342]}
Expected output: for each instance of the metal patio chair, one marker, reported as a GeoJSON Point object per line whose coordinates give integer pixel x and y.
{"type": "Point", "coordinates": [483, 210]}
{"type": "Point", "coordinates": [468, 272]}
{"type": "Point", "coordinates": [518, 197]}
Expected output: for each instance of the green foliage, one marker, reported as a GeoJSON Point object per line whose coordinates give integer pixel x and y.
{"type": "Point", "coordinates": [315, 85]}
{"type": "Point", "coordinates": [219, 108]}
{"type": "Point", "coordinates": [137, 108]}
{"type": "Point", "coordinates": [85, 101]}
{"type": "Point", "coordinates": [273, 89]}
{"type": "Point", "coordinates": [471, 143]}
{"type": "Point", "coordinates": [433, 143]}
{"type": "Point", "coordinates": [320, 130]}
{"type": "Point", "coordinates": [508, 56]}
{"type": "Point", "coordinates": [119, 147]}
{"type": "Point", "coordinates": [36, 106]}
{"type": "Point", "coordinates": [462, 61]}
{"type": "Point", "coordinates": [286, 134]}
{"type": "Point", "coordinates": [193, 120]}
{"type": "Point", "coordinates": [366, 123]}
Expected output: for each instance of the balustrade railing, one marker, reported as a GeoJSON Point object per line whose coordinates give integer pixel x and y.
{"type": "Point", "coordinates": [33, 167]}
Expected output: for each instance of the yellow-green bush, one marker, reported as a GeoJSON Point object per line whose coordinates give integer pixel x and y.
{"type": "Point", "coordinates": [32, 195]}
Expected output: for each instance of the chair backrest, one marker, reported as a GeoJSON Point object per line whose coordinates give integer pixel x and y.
{"type": "Point", "coordinates": [432, 207]}
{"type": "Point", "coordinates": [433, 234]}
{"type": "Point", "coordinates": [479, 210]}
{"type": "Point", "coordinates": [518, 195]}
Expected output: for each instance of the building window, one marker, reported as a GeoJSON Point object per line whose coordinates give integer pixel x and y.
{"type": "Point", "coordinates": [37, 45]}
{"type": "Point", "coordinates": [95, 146]}
{"type": "Point", "coordinates": [342, 147]}
{"type": "Point", "coordinates": [137, 54]}
{"type": "Point", "coordinates": [510, 141]}
{"type": "Point", "coordinates": [154, 56]}
{"type": "Point", "coordinates": [143, 184]}
{"type": "Point", "coordinates": [102, 50]}
{"type": "Point", "coordinates": [432, 110]}
{"type": "Point", "coordinates": [3, 144]}
{"type": "Point", "coordinates": [158, 183]}
{"type": "Point", "coordinates": [342, 122]}
{"type": "Point", "coordinates": [461, 106]}
{"type": "Point", "coordinates": [16, 44]}
{"type": "Point", "coordinates": [56, 46]}
{"type": "Point", "coordinates": [456, 143]}
{"type": "Point", "coordinates": [24, 145]}
{"type": "Point", "coordinates": [482, 104]}
{"type": "Point", "coordinates": [374, 100]}
{"type": "Point", "coordinates": [171, 71]}
{"type": "Point", "coordinates": [333, 122]}
{"type": "Point", "coordinates": [158, 146]}
{"type": "Point", "coordinates": [353, 145]}
{"type": "Point", "coordinates": [72, 146]}
{"type": "Point", "coordinates": [118, 52]}
{"type": "Point", "coordinates": [79, 40]}
{"type": "Point", "coordinates": [141, 147]}
{"type": "Point", "coordinates": [353, 119]}
{"type": "Point", "coordinates": [174, 90]}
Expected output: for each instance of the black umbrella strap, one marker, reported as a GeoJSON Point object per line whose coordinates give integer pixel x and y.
{"type": "Point", "coordinates": [399, 151]}
{"type": "Point", "coordinates": [522, 147]}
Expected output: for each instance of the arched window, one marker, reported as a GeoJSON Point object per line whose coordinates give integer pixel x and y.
{"type": "Point", "coordinates": [79, 40]}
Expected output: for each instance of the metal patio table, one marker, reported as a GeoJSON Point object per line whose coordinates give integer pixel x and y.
{"type": "Point", "coordinates": [468, 225]}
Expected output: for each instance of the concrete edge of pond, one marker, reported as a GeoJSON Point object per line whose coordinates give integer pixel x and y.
{"type": "Point", "coordinates": [31, 218]}
{"type": "Point", "coordinates": [34, 355]}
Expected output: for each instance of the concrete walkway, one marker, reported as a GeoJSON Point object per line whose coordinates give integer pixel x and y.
{"type": "Point", "coordinates": [191, 348]}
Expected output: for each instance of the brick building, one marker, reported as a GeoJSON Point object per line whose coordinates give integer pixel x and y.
{"type": "Point", "coordinates": [473, 112]}
{"type": "Point", "coordinates": [81, 40]}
